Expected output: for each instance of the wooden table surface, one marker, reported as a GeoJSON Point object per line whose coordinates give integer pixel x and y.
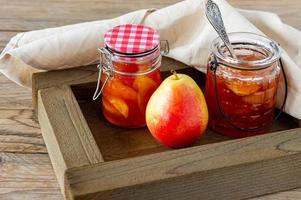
{"type": "Point", "coordinates": [25, 168]}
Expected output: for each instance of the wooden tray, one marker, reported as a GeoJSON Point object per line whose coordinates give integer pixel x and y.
{"type": "Point", "coordinates": [95, 160]}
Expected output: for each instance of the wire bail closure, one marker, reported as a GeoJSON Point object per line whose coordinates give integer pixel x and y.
{"type": "Point", "coordinates": [105, 67]}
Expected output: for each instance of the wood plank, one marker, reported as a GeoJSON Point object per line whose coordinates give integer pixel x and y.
{"type": "Point", "coordinates": [68, 138]}
{"type": "Point", "coordinates": [13, 96]}
{"type": "Point", "coordinates": [30, 14]}
{"type": "Point", "coordinates": [27, 176]}
{"type": "Point", "coordinates": [45, 80]}
{"type": "Point", "coordinates": [287, 195]}
{"type": "Point", "coordinates": [71, 132]}
{"type": "Point", "coordinates": [19, 133]}
{"type": "Point", "coordinates": [5, 37]}
{"type": "Point", "coordinates": [289, 11]}
{"type": "Point", "coordinates": [81, 128]}
{"type": "Point", "coordinates": [258, 165]}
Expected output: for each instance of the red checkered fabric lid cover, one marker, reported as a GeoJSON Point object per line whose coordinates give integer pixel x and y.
{"type": "Point", "coordinates": [131, 39]}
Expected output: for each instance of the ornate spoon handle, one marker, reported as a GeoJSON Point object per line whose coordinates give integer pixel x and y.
{"type": "Point", "coordinates": [215, 18]}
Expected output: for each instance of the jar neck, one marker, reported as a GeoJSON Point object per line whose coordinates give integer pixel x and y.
{"type": "Point", "coordinates": [254, 52]}
{"type": "Point", "coordinates": [144, 66]}
{"type": "Point", "coordinates": [133, 56]}
{"type": "Point", "coordinates": [130, 66]}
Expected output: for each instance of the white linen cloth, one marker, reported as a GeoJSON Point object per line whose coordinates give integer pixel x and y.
{"type": "Point", "coordinates": [183, 24]}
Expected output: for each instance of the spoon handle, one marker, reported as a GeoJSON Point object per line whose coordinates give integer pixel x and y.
{"type": "Point", "coordinates": [215, 18]}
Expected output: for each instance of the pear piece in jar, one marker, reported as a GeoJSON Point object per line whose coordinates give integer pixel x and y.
{"type": "Point", "coordinates": [270, 93]}
{"type": "Point", "coordinates": [145, 87]}
{"type": "Point", "coordinates": [269, 104]}
{"type": "Point", "coordinates": [116, 106]}
{"type": "Point", "coordinates": [242, 88]}
{"type": "Point", "coordinates": [270, 97]}
{"type": "Point", "coordinates": [260, 97]}
{"type": "Point", "coordinates": [116, 88]}
{"type": "Point", "coordinates": [256, 98]}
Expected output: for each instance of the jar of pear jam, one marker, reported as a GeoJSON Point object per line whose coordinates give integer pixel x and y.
{"type": "Point", "coordinates": [130, 73]}
{"type": "Point", "coordinates": [241, 92]}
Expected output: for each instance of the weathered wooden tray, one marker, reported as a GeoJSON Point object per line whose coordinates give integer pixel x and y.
{"type": "Point", "coordinates": [95, 160]}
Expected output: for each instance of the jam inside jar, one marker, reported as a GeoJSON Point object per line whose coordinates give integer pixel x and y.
{"type": "Point", "coordinates": [125, 96]}
{"type": "Point", "coordinates": [130, 73]}
{"type": "Point", "coordinates": [241, 92]}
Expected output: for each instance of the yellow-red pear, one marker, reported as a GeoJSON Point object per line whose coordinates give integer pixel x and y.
{"type": "Point", "coordinates": [177, 113]}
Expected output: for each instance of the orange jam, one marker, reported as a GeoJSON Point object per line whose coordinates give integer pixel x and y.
{"type": "Point", "coordinates": [247, 97]}
{"type": "Point", "coordinates": [125, 97]}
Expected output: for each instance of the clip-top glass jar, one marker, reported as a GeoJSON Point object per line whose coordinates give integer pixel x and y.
{"type": "Point", "coordinates": [241, 92]}
{"type": "Point", "coordinates": [130, 72]}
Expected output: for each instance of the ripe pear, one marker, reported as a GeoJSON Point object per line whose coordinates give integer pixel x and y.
{"type": "Point", "coordinates": [177, 113]}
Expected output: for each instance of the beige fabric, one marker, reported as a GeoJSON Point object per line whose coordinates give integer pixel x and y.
{"type": "Point", "coordinates": [184, 25]}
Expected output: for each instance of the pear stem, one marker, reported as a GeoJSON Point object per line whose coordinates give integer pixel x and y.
{"type": "Point", "coordinates": [175, 74]}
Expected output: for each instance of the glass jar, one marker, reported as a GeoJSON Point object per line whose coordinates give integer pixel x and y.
{"type": "Point", "coordinates": [241, 92]}
{"type": "Point", "coordinates": [130, 73]}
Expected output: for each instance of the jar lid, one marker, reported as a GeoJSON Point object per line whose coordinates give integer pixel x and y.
{"type": "Point", "coordinates": [131, 39]}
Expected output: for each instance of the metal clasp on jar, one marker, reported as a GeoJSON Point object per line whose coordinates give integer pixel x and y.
{"type": "Point", "coordinates": [105, 67]}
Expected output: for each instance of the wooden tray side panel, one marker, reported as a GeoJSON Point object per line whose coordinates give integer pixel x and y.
{"type": "Point", "coordinates": [228, 170]}
{"type": "Point", "coordinates": [237, 182]}
{"type": "Point", "coordinates": [67, 136]}
{"type": "Point", "coordinates": [43, 80]}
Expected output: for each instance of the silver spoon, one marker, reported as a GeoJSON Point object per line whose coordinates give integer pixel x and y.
{"type": "Point", "coordinates": [215, 18]}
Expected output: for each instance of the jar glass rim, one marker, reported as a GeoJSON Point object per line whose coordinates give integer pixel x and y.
{"type": "Point", "coordinates": [248, 38]}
